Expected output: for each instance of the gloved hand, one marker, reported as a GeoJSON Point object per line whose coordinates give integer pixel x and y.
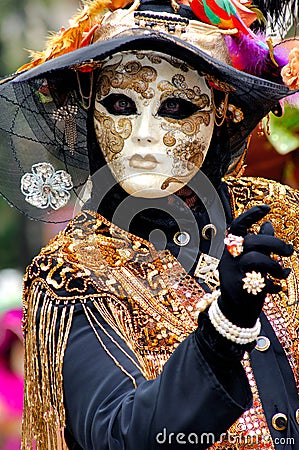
{"type": "Point", "coordinates": [238, 306]}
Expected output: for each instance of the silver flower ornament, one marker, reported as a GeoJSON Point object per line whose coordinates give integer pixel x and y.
{"type": "Point", "coordinates": [45, 187]}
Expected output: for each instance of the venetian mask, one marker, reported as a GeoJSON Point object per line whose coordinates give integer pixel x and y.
{"type": "Point", "coordinates": [154, 121]}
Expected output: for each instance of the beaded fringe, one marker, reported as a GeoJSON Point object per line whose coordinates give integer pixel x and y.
{"type": "Point", "coordinates": [45, 343]}
{"type": "Point", "coordinates": [47, 323]}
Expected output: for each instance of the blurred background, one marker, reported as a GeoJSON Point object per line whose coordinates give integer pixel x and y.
{"type": "Point", "coordinates": [24, 25]}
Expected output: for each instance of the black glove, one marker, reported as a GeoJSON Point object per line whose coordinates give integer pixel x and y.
{"type": "Point", "coordinates": [240, 307]}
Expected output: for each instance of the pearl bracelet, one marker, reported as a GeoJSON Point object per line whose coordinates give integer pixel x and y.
{"type": "Point", "coordinates": [206, 301]}
{"type": "Point", "coordinates": [230, 331]}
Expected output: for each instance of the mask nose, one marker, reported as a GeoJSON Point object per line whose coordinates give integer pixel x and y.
{"type": "Point", "coordinates": [147, 129]}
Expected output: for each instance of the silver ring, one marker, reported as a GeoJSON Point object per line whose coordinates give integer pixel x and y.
{"type": "Point", "coordinates": [209, 226]}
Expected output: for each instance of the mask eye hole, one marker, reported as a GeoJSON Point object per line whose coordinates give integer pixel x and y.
{"type": "Point", "coordinates": [177, 108]}
{"type": "Point", "coordinates": [119, 105]}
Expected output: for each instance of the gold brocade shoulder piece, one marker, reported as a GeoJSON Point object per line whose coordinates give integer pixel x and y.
{"type": "Point", "coordinates": [145, 296]}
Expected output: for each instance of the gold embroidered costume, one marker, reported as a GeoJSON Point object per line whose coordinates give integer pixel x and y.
{"type": "Point", "coordinates": [147, 298]}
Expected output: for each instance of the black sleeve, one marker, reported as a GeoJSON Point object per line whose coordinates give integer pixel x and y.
{"type": "Point", "coordinates": [187, 405]}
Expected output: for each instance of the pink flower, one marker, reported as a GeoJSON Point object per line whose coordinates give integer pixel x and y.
{"type": "Point", "coordinates": [290, 72]}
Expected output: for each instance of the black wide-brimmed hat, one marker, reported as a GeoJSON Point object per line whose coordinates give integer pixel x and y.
{"type": "Point", "coordinates": [44, 106]}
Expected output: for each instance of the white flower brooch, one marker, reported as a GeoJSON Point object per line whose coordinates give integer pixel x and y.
{"type": "Point", "coordinates": [45, 187]}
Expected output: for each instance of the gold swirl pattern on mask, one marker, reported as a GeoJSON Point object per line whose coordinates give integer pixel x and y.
{"type": "Point", "coordinates": [153, 57]}
{"type": "Point", "coordinates": [189, 126]}
{"type": "Point", "coordinates": [118, 168]}
{"type": "Point", "coordinates": [103, 84]}
{"type": "Point", "coordinates": [124, 127]}
{"type": "Point", "coordinates": [196, 159]}
{"type": "Point", "coordinates": [111, 134]}
{"type": "Point", "coordinates": [168, 139]}
{"type": "Point", "coordinates": [186, 156]}
{"type": "Point", "coordinates": [178, 88]}
{"type": "Point", "coordinates": [178, 64]}
{"type": "Point", "coordinates": [132, 75]}
{"type": "Point", "coordinates": [180, 168]}
{"type": "Point", "coordinates": [157, 58]}
{"type": "Point", "coordinates": [174, 62]}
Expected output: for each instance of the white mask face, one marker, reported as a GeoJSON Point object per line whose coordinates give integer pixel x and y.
{"type": "Point", "coordinates": [153, 120]}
